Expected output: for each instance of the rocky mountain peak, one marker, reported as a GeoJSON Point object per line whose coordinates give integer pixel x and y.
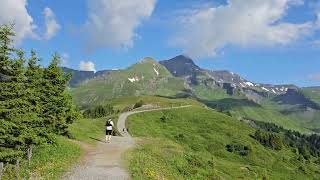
{"type": "Point", "coordinates": [181, 66]}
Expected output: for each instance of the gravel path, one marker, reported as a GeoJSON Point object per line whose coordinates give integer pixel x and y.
{"type": "Point", "coordinates": [105, 161]}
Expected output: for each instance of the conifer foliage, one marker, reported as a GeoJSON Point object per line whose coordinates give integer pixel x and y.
{"type": "Point", "coordinates": [34, 101]}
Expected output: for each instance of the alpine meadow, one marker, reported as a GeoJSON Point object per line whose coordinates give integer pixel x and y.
{"type": "Point", "coordinates": [160, 89]}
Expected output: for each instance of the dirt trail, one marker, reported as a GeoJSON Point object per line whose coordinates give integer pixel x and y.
{"type": "Point", "coordinates": [105, 160]}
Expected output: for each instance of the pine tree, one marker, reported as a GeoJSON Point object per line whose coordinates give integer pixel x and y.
{"type": "Point", "coordinates": [34, 81]}
{"type": "Point", "coordinates": [9, 131]}
{"type": "Point", "coordinates": [34, 101]}
{"type": "Point", "coordinates": [16, 115]}
{"type": "Point", "coordinates": [57, 106]}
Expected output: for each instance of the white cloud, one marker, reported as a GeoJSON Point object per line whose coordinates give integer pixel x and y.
{"type": "Point", "coordinates": [51, 24]}
{"type": "Point", "coordinates": [15, 11]}
{"type": "Point", "coordinates": [247, 24]}
{"type": "Point", "coordinates": [87, 66]}
{"type": "Point", "coordinates": [112, 23]}
{"type": "Point", "coordinates": [65, 59]}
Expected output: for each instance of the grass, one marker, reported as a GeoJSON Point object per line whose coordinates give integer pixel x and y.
{"type": "Point", "coordinates": [203, 92]}
{"type": "Point", "coordinates": [313, 93]}
{"type": "Point", "coordinates": [49, 161]}
{"type": "Point", "coordinates": [190, 143]}
{"type": "Point", "coordinates": [269, 115]}
{"type": "Point", "coordinates": [116, 84]}
{"type": "Point", "coordinates": [121, 103]}
{"type": "Point", "coordinates": [90, 130]}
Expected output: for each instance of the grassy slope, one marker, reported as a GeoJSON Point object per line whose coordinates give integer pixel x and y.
{"type": "Point", "coordinates": [120, 103]}
{"type": "Point", "coordinates": [116, 84]}
{"type": "Point", "coordinates": [90, 130]}
{"type": "Point", "coordinates": [49, 161]}
{"type": "Point", "coordinates": [53, 160]}
{"type": "Point", "coordinates": [203, 92]}
{"type": "Point", "coordinates": [267, 112]}
{"type": "Point", "coordinates": [312, 93]}
{"type": "Point", "coordinates": [191, 144]}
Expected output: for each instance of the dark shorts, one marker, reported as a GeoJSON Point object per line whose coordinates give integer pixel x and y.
{"type": "Point", "coordinates": [108, 132]}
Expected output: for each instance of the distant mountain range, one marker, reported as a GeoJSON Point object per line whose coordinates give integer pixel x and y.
{"type": "Point", "coordinates": [286, 105]}
{"type": "Point", "coordinates": [184, 68]}
{"type": "Point", "coordinates": [81, 76]}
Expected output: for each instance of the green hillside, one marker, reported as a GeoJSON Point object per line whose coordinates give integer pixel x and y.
{"type": "Point", "coordinates": [313, 93]}
{"type": "Point", "coordinates": [191, 144]}
{"type": "Point", "coordinates": [121, 102]}
{"type": "Point", "coordinates": [147, 77]}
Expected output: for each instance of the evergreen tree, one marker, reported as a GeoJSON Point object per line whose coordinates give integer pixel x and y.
{"type": "Point", "coordinates": [16, 116]}
{"type": "Point", "coordinates": [9, 132]}
{"type": "Point", "coordinates": [34, 101]}
{"type": "Point", "coordinates": [57, 107]}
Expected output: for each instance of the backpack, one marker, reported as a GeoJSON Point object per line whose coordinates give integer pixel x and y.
{"type": "Point", "coordinates": [109, 125]}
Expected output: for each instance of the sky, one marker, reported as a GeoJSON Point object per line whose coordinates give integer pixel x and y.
{"type": "Point", "coordinates": [270, 41]}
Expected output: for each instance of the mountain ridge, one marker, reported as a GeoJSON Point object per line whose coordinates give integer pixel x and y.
{"type": "Point", "coordinates": [182, 59]}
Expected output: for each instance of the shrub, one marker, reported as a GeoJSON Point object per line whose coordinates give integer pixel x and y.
{"type": "Point", "coordinates": [179, 137]}
{"type": "Point", "coordinates": [127, 108]}
{"type": "Point", "coordinates": [138, 104]}
{"type": "Point", "coordinates": [238, 149]}
{"type": "Point", "coordinates": [269, 139]}
{"type": "Point", "coordinates": [99, 111]}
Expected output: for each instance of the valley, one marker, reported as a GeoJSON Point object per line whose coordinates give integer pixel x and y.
{"type": "Point", "coordinates": [216, 137]}
{"type": "Point", "coordinates": [286, 105]}
{"type": "Point", "coordinates": [160, 90]}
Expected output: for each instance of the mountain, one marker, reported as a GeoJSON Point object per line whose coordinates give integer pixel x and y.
{"type": "Point", "coordinates": [312, 92]}
{"type": "Point", "coordinates": [180, 66]}
{"type": "Point", "coordinates": [80, 76]}
{"type": "Point", "coordinates": [147, 77]}
{"type": "Point", "coordinates": [296, 98]}
{"type": "Point", "coordinates": [222, 90]}
{"type": "Point", "coordinates": [231, 83]}
{"type": "Point", "coordinates": [238, 123]}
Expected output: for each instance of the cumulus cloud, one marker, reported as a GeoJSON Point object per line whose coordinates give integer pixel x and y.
{"type": "Point", "coordinates": [52, 26]}
{"type": "Point", "coordinates": [112, 23]}
{"type": "Point", "coordinates": [87, 66]}
{"type": "Point", "coordinates": [251, 23]}
{"type": "Point", "coordinates": [14, 11]}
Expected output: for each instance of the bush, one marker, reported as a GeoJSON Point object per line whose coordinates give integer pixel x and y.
{"type": "Point", "coordinates": [179, 137]}
{"type": "Point", "coordinates": [238, 149]}
{"type": "Point", "coordinates": [99, 111]}
{"type": "Point", "coordinates": [269, 139]}
{"type": "Point", "coordinates": [127, 109]}
{"type": "Point", "coordinates": [138, 104]}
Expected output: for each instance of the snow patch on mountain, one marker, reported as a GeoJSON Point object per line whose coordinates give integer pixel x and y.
{"type": "Point", "coordinates": [249, 83]}
{"type": "Point", "coordinates": [156, 71]}
{"type": "Point", "coordinates": [133, 79]}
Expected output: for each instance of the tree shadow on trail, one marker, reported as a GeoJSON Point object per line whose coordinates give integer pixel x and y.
{"type": "Point", "coordinates": [99, 140]}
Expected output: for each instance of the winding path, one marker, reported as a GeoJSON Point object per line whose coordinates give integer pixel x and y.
{"type": "Point", "coordinates": [105, 160]}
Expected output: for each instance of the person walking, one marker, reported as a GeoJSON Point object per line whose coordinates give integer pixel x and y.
{"type": "Point", "coordinates": [109, 129]}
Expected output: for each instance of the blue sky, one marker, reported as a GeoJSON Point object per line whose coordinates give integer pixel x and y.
{"type": "Point", "coordinates": [271, 41]}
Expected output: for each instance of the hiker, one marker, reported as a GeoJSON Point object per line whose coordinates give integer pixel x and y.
{"type": "Point", "coordinates": [109, 127]}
